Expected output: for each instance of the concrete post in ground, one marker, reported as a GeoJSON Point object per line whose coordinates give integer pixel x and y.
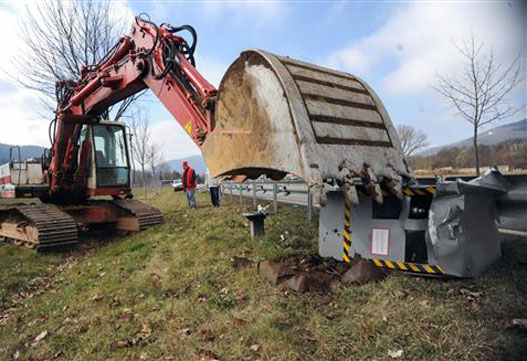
{"type": "Point", "coordinates": [256, 220]}
{"type": "Point", "coordinates": [309, 206]}
{"type": "Point", "coordinates": [275, 202]}
{"type": "Point", "coordinates": [241, 190]}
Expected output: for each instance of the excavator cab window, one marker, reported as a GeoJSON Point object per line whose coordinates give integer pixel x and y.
{"type": "Point", "coordinates": [111, 156]}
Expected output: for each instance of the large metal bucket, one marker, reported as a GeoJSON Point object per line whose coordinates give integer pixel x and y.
{"type": "Point", "coordinates": [276, 116]}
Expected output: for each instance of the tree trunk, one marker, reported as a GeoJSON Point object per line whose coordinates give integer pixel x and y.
{"type": "Point", "coordinates": [144, 181]}
{"type": "Point", "coordinates": [476, 153]}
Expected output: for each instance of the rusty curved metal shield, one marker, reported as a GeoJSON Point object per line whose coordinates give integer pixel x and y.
{"type": "Point", "coordinates": [276, 115]}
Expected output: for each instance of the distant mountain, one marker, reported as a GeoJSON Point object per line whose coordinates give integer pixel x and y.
{"type": "Point", "coordinates": [26, 151]}
{"type": "Point", "coordinates": [516, 130]}
{"type": "Point", "coordinates": [195, 161]}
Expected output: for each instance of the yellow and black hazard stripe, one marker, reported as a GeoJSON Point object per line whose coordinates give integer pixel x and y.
{"type": "Point", "coordinates": [408, 267]}
{"type": "Point", "coordinates": [412, 191]}
{"type": "Point", "coordinates": [421, 191]}
{"type": "Point", "coordinates": [346, 244]}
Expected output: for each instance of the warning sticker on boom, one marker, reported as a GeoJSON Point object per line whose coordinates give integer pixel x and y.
{"type": "Point", "coordinates": [188, 128]}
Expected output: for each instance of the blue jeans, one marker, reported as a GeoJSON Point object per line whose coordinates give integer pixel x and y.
{"type": "Point", "coordinates": [215, 196]}
{"type": "Point", "coordinates": [190, 198]}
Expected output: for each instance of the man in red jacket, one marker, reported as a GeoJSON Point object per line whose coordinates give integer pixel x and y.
{"type": "Point", "coordinates": [188, 179]}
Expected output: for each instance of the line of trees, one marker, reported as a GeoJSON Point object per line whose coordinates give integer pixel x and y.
{"type": "Point", "coordinates": [511, 153]}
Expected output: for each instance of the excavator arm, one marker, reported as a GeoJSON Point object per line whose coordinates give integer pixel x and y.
{"type": "Point", "coordinates": [153, 57]}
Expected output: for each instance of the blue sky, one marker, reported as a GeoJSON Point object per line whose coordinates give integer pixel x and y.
{"type": "Point", "coordinates": [396, 47]}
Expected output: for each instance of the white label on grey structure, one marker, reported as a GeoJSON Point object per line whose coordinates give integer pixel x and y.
{"type": "Point", "coordinates": [380, 239]}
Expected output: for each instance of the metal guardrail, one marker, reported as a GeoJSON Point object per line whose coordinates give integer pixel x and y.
{"type": "Point", "coordinates": [511, 205]}
{"type": "Point", "coordinates": [255, 190]}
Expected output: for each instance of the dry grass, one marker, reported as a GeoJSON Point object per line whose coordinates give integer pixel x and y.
{"type": "Point", "coordinates": [170, 293]}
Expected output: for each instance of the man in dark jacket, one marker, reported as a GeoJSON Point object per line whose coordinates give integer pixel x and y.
{"type": "Point", "coordinates": [188, 180]}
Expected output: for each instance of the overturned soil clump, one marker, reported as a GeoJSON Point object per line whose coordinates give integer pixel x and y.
{"type": "Point", "coordinates": [311, 272]}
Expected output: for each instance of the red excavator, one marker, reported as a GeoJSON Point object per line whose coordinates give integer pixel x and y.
{"type": "Point", "coordinates": [272, 115]}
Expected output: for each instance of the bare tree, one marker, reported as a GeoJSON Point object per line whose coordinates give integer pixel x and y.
{"type": "Point", "coordinates": [140, 142]}
{"type": "Point", "coordinates": [480, 92]}
{"type": "Point", "coordinates": [155, 159]}
{"type": "Point", "coordinates": [411, 139]}
{"type": "Point", "coordinates": [59, 37]}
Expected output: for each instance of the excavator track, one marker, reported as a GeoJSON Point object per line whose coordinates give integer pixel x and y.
{"type": "Point", "coordinates": [147, 216]}
{"type": "Point", "coordinates": [42, 227]}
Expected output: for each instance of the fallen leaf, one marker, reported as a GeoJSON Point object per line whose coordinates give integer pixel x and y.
{"type": "Point", "coordinates": [240, 322]}
{"type": "Point", "coordinates": [400, 294]}
{"type": "Point", "coordinates": [224, 290]}
{"type": "Point", "coordinates": [57, 354]}
{"type": "Point", "coordinates": [41, 336]}
{"type": "Point", "coordinates": [142, 335]}
{"type": "Point", "coordinates": [185, 332]}
{"type": "Point", "coordinates": [97, 297]}
{"type": "Point", "coordinates": [241, 296]}
{"type": "Point", "coordinates": [207, 335]}
{"type": "Point", "coordinates": [146, 330]}
{"type": "Point", "coordinates": [115, 302]}
{"type": "Point", "coordinates": [395, 354]}
{"type": "Point", "coordinates": [255, 347]}
{"type": "Point", "coordinates": [174, 323]}
{"type": "Point", "coordinates": [16, 356]}
{"type": "Point", "coordinates": [207, 355]}
{"type": "Point", "coordinates": [246, 250]}
{"type": "Point", "coordinates": [471, 295]}
{"type": "Point", "coordinates": [127, 314]}
{"type": "Point", "coordinates": [240, 262]}
{"type": "Point", "coordinates": [123, 344]}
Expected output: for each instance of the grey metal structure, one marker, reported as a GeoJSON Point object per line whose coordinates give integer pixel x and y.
{"type": "Point", "coordinates": [449, 228]}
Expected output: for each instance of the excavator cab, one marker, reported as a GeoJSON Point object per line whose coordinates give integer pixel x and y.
{"type": "Point", "coordinates": [105, 157]}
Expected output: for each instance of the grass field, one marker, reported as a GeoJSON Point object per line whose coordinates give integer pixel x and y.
{"type": "Point", "coordinates": [170, 293]}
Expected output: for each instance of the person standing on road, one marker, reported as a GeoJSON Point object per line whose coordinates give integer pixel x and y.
{"type": "Point", "coordinates": [188, 179]}
{"type": "Point", "coordinates": [214, 188]}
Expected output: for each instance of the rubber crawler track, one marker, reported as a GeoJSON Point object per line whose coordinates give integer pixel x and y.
{"type": "Point", "coordinates": [56, 229]}
{"type": "Point", "coordinates": [147, 216]}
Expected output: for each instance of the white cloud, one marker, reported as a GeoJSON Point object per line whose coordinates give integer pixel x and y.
{"type": "Point", "coordinates": [20, 118]}
{"type": "Point", "coordinates": [19, 123]}
{"type": "Point", "coordinates": [174, 141]}
{"type": "Point", "coordinates": [417, 41]}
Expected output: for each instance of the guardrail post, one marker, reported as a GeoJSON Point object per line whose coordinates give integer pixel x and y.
{"type": "Point", "coordinates": [254, 194]}
{"type": "Point", "coordinates": [230, 188]}
{"type": "Point", "coordinates": [309, 206]}
{"type": "Point", "coordinates": [275, 203]}
{"type": "Point", "coordinates": [241, 190]}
